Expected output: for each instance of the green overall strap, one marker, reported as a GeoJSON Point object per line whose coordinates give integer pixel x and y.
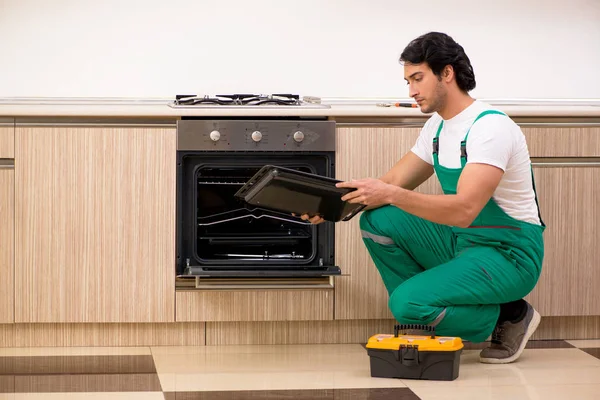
{"type": "Point", "coordinates": [463, 144]}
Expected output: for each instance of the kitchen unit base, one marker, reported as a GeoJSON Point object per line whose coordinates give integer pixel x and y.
{"type": "Point", "coordinates": [243, 333]}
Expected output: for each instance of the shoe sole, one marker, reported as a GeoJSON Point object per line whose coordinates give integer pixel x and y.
{"type": "Point", "coordinates": [535, 321]}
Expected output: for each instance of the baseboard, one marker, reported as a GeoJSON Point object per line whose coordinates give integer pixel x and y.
{"type": "Point", "coordinates": [94, 335]}
{"type": "Point", "coordinates": [244, 333]}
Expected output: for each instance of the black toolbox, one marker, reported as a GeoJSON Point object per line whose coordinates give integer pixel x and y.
{"type": "Point", "coordinates": [410, 356]}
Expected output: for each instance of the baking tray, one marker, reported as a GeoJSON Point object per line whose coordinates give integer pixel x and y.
{"type": "Point", "coordinates": [288, 190]}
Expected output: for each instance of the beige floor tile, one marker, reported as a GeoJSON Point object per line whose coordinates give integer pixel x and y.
{"type": "Point", "coordinates": [475, 393]}
{"type": "Point", "coordinates": [536, 367]}
{"type": "Point", "coordinates": [582, 344]}
{"type": "Point", "coordinates": [517, 392]}
{"type": "Point", "coordinates": [84, 396]}
{"type": "Point", "coordinates": [347, 366]}
{"type": "Point", "coordinates": [274, 381]}
{"type": "Point", "coordinates": [561, 392]}
{"type": "Point", "coordinates": [260, 349]}
{"type": "Point", "coordinates": [73, 351]}
{"type": "Point", "coordinates": [256, 362]}
{"type": "Point", "coordinates": [266, 368]}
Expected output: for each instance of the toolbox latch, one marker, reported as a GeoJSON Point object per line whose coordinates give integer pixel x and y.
{"type": "Point", "coordinates": [408, 355]}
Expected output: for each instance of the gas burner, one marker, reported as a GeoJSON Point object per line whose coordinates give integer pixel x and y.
{"type": "Point", "coordinates": [247, 101]}
{"type": "Point", "coordinates": [240, 100]}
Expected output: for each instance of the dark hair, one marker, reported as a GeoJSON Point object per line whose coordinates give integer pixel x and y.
{"type": "Point", "coordinates": [438, 50]}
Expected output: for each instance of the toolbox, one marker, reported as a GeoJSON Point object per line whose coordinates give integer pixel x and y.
{"type": "Point", "coordinates": [414, 356]}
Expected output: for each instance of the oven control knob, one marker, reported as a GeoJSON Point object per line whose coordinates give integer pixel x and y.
{"type": "Point", "coordinates": [256, 136]}
{"type": "Point", "coordinates": [298, 136]}
{"type": "Point", "coordinates": [215, 136]}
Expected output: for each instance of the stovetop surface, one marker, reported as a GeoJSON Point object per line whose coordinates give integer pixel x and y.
{"type": "Point", "coordinates": [240, 100]}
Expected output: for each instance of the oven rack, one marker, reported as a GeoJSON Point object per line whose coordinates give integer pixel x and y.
{"type": "Point", "coordinates": [245, 212]}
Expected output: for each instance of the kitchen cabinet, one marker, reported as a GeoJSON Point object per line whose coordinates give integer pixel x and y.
{"type": "Point", "coordinates": [255, 305]}
{"type": "Point", "coordinates": [562, 140]}
{"type": "Point", "coordinates": [568, 193]}
{"type": "Point", "coordinates": [7, 232]}
{"type": "Point", "coordinates": [366, 151]}
{"type": "Point", "coordinates": [566, 167]}
{"type": "Point", "coordinates": [95, 222]}
{"type": "Point", "coordinates": [7, 138]}
{"type": "Point", "coordinates": [566, 163]}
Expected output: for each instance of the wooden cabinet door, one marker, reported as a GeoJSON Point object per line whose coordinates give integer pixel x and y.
{"type": "Point", "coordinates": [95, 223]}
{"type": "Point", "coordinates": [569, 198]}
{"type": "Point", "coordinates": [366, 152]}
{"type": "Point", "coordinates": [7, 242]}
{"type": "Point", "coordinates": [7, 138]}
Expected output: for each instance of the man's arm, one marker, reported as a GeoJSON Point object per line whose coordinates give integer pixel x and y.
{"type": "Point", "coordinates": [408, 173]}
{"type": "Point", "coordinates": [476, 186]}
{"type": "Point", "coordinates": [491, 145]}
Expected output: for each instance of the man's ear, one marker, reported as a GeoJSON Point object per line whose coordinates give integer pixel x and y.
{"type": "Point", "coordinates": [448, 73]}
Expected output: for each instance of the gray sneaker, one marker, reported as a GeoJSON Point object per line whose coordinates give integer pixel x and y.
{"type": "Point", "coordinates": [509, 339]}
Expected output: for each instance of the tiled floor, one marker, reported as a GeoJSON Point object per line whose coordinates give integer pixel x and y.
{"type": "Point", "coordinates": [547, 370]}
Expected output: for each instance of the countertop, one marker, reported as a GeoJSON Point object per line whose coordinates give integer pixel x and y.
{"type": "Point", "coordinates": [107, 107]}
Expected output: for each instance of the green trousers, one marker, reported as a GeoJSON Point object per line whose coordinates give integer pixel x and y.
{"type": "Point", "coordinates": [431, 280]}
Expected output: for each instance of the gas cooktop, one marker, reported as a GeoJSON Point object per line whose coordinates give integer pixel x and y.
{"type": "Point", "coordinates": [246, 101]}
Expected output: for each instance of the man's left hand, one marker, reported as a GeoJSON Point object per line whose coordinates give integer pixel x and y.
{"type": "Point", "coordinates": [369, 191]}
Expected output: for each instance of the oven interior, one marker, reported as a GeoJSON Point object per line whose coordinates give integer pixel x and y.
{"type": "Point", "coordinates": [221, 231]}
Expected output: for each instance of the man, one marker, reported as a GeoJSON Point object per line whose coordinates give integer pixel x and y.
{"type": "Point", "coordinates": [464, 260]}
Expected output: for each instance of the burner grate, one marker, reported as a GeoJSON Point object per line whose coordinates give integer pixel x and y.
{"type": "Point", "coordinates": [240, 99]}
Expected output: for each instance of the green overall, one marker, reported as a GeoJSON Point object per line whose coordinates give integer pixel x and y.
{"type": "Point", "coordinates": [453, 278]}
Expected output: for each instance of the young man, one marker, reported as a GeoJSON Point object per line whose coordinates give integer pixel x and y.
{"type": "Point", "coordinates": [464, 260]}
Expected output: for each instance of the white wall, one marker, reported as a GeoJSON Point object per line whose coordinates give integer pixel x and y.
{"type": "Point", "coordinates": [329, 48]}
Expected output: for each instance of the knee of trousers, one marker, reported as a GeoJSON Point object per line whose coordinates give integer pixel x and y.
{"type": "Point", "coordinates": [407, 307]}
{"type": "Point", "coordinates": [377, 221]}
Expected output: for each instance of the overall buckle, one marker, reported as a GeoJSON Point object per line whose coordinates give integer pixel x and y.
{"type": "Point", "coordinates": [463, 149]}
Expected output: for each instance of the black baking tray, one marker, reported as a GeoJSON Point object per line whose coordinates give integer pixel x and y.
{"type": "Point", "coordinates": [288, 190]}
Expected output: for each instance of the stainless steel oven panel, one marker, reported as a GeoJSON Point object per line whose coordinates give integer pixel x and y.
{"type": "Point", "coordinates": [255, 135]}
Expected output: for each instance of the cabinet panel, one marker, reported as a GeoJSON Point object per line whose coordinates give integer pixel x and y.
{"type": "Point", "coordinates": [255, 305]}
{"type": "Point", "coordinates": [563, 141]}
{"type": "Point", "coordinates": [95, 231]}
{"type": "Point", "coordinates": [366, 152]}
{"type": "Point", "coordinates": [7, 243]}
{"type": "Point", "coordinates": [568, 198]}
{"type": "Point", "coordinates": [7, 138]}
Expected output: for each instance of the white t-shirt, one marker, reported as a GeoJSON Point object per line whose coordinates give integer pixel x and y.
{"type": "Point", "coordinates": [495, 140]}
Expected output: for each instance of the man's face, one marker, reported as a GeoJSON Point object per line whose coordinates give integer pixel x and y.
{"type": "Point", "coordinates": [425, 87]}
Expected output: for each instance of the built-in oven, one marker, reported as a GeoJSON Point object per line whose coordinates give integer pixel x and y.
{"type": "Point", "coordinates": [220, 236]}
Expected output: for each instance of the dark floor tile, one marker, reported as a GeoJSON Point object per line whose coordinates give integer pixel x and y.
{"type": "Point", "coordinates": [325, 394]}
{"type": "Point", "coordinates": [37, 365]}
{"type": "Point", "coordinates": [375, 394]}
{"type": "Point", "coordinates": [85, 383]}
{"type": "Point", "coordinates": [532, 344]}
{"type": "Point", "coordinates": [594, 352]}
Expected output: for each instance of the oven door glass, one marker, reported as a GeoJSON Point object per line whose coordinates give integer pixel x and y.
{"type": "Point", "coordinates": [222, 231]}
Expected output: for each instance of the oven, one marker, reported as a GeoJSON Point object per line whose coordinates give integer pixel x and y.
{"type": "Point", "coordinates": [221, 237]}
